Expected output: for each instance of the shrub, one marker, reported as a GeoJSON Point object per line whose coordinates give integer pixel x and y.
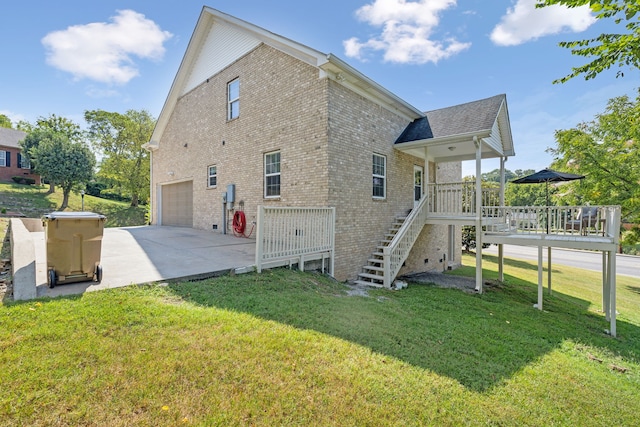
{"type": "Point", "coordinates": [23, 180]}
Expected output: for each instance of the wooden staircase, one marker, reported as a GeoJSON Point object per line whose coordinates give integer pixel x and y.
{"type": "Point", "coordinates": [373, 273]}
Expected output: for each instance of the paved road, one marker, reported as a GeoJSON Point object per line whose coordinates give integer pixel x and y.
{"type": "Point", "coordinates": [625, 264]}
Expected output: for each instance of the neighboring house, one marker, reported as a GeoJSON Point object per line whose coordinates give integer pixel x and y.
{"type": "Point", "coordinates": [12, 162]}
{"type": "Point", "coordinates": [292, 126]}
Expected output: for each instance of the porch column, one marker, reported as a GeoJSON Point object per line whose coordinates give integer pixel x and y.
{"type": "Point", "coordinates": [478, 145]}
{"type": "Point", "coordinates": [426, 171]}
{"type": "Point", "coordinates": [503, 160]}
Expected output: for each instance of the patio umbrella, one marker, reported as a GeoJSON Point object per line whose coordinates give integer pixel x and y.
{"type": "Point", "coordinates": [547, 176]}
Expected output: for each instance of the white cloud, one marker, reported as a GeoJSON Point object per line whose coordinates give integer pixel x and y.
{"type": "Point", "coordinates": [406, 31]}
{"type": "Point", "coordinates": [524, 22]}
{"type": "Point", "coordinates": [14, 117]}
{"type": "Point", "coordinates": [104, 51]}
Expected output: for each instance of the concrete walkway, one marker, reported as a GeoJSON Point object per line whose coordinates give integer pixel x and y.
{"type": "Point", "coordinates": [134, 255]}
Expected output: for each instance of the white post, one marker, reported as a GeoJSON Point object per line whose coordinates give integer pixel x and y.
{"type": "Point", "coordinates": [259, 238]}
{"type": "Point", "coordinates": [539, 277]}
{"type": "Point", "coordinates": [425, 178]}
{"type": "Point", "coordinates": [549, 268]}
{"type": "Point", "coordinates": [612, 292]}
{"type": "Point", "coordinates": [605, 285]}
{"type": "Point", "coordinates": [501, 246]}
{"type": "Point", "coordinates": [478, 145]}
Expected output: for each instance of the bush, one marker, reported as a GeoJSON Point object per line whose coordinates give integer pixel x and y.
{"type": "Point", "coordinates": [469, 238]}
{"type": "Point", "coordinates": [23, 180]}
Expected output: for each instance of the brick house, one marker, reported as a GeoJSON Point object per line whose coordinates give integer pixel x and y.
{"type": "Point", "coordinates": [292, 126]}
{"type": "Point", "coordinates": [12, 162]}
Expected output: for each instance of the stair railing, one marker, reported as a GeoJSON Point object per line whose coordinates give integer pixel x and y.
{"type": "Point", "coordinates": [396, 253]}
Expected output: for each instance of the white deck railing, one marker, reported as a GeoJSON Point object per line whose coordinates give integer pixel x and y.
{"type": "Point", "coordinates": [395, 254]}
{"type": "Point", "coordinates": [601, 221]}
{"type": "Point", "coordinates": [459, 198]}
{"type": "Point", "coordinates": [287, 234]}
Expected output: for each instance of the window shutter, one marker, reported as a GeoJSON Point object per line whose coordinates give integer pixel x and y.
{"type": "Point", "coordinates": [19, 160]}
{"type": "Point", "coordinates": [8, 158]}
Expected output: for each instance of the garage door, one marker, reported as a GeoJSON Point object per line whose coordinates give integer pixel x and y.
{"type": "Point", "coordinates": [177, 204]}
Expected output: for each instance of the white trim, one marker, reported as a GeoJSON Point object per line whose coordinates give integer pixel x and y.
{"type": "Point", "coordinates": [209, 176]}
{"type": "Point", "coordinates": [266, 175]}
{"type": "Point", "coordinates": [383, 177]}
{"type": "Point", "coordinates": [233, 101]}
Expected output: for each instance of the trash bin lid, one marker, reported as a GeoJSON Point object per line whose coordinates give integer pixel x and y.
{"type": "Point", "coordinates": [72, 215]}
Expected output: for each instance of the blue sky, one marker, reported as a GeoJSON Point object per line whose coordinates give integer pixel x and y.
{"type": "Point", "coordinates": [65, 57]}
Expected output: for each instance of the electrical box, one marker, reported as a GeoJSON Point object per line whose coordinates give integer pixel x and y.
{"type": "Point", "coordinates": [231, 193]}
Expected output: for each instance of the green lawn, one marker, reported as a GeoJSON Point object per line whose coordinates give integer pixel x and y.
{"type": "Point", "coordinates": [290, 348]}
{"type": "Point", "coordinates": [33, 202]}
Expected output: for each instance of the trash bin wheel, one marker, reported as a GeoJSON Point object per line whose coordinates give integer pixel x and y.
{"type": "Point", "coordinates": [51, 278]}
{"type": "Point", "coordinates": [98, 274]}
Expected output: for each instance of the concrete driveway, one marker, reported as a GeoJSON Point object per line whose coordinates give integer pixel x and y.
{"type": "Point", "coordinates": [133, 255]}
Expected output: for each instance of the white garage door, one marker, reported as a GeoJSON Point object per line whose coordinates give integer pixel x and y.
{"type": "Point", "coordinates": [177, 204]}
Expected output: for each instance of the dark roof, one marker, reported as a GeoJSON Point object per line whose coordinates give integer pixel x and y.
{"type": "Point", "coordinates": [460, 119]}
{"type": "Point", "coordinates": [11, 137]}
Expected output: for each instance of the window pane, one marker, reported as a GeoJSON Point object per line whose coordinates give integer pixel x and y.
{"type": "Point", "coordinates": [234, 109]}
{"type": "Point", "coordinates": [273, 186]}
{"type": "Point", "coordinates": [234, 90]}
{"type": "Point", "coordinates": [272, 163]}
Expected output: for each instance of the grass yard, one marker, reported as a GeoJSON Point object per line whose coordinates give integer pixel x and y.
{"type": "Point", "coordinates": [33, 202]}
{"type": "Point", "coordinates": [290, 348]}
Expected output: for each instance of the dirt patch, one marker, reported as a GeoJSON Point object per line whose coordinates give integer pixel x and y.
{"type": "Point", "coordinates": [466, 284]}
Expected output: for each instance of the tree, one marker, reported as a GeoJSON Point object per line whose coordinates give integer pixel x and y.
{"type": "Point", "coordinates": [621, 49]}
{"type": "Point", "coordinates": [66, 162]}
{"type": "Point", "coordinates": [5, 122]}
{"type": "Point", "coordinates": [494, 176]}
{"type": "Point", "coordinates": [41, 130]}
{"type": "Point", "coordinates": [120, 138]}
{"type": "Point", "coordinates": [607, 151]}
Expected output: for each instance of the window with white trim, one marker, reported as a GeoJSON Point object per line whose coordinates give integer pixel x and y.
{"type": "Point", "coordinates": [3, 157]}
{"type": "Point", "coordinates": [379, 176]}
{"type": "Point", "coordinates": [272, 174]}
{"type": "Point", "coordinates": [233, 99]}
{"type": "Point", "coordinates": [213, 176]}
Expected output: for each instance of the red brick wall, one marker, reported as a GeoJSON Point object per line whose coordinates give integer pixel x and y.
{"type": "Point", "coordinates": [8, 172]}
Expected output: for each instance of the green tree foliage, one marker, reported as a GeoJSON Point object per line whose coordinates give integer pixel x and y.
{"type": "Point", "coordinates": [120, 137]}
{"type": "Point", "coordinates": [606, 50]}
{"type": "Point", "coordinates": [63, 161]}
{"type": "Point", "coordinates": [5, 122]}
{"type": "Point", "coordinates": [607, 151]}
{"type": "Point", "coordinates": [42, 129]}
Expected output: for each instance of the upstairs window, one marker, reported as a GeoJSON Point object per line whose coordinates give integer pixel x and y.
{"type": "Point", "coordinates": [272, 174]}
{"type": "Point", "coordinates": [379, 176]}
{"type": "Point", "coordinates": [213, 176]}
{"type": "Point", "coordinates": [233, 99]}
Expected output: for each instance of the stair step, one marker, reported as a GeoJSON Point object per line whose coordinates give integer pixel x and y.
{"type": "Point", "coordinates": [372, 268]}
{"type": "Point", "coordinates": [375, 260]}
{"type": "Point", "coordinates": [366, 283]}
{"type": "Point", "coordinates": [371, 276]}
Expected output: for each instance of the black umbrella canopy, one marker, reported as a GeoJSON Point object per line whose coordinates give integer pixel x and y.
{"type": "Point", "coordinates": [547, 176]}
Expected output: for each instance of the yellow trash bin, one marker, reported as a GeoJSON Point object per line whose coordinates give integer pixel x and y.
{"type": "Point", "coordinates": [73, 241]}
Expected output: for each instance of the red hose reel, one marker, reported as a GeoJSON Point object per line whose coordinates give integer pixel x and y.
{"type": "Point", "coordinates": [240, 225]}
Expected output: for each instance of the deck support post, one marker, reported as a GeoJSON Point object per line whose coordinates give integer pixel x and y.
{"type": "Point", "coordinates": [503, 160]}
{"type": "Point", "coordinates": [478, 203]}
{"type": "Point", "coordinates": [612, 291]}
{"type": "Point", "coordinates": [539, 305]}
{"type": "Point", "coordinates": [605, 285]}
{"type": "Point", "coordinates": [549, 268]}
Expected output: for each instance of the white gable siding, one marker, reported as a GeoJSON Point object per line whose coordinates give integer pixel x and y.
{"type": "Point", "coordinates": [223, 46]}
